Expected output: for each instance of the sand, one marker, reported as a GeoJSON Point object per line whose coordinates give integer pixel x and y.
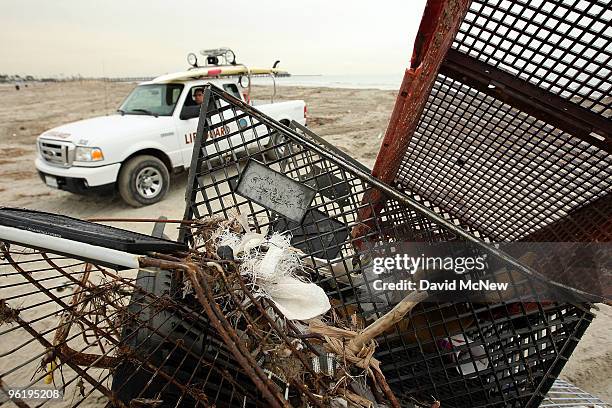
{"type": "Point", "coordinates": [353, 120]}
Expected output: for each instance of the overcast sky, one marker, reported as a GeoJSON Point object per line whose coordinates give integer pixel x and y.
{"type": "Point", "coordinates": [152, 37]}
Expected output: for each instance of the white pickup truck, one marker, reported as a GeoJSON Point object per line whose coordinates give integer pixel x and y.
{"type": "Point", "coordinates": [135, 151]}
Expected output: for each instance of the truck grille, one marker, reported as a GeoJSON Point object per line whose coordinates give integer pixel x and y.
{"type": "Point", "coordinates": [56, 153]}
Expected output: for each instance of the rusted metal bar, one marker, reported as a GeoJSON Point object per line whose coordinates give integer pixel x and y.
{"type": "Point", "coordinates": [440, 23]}
{"type": "Point", "coordinates": [529, 98]}
{"type": "Point", "coordinates": [87, 359]}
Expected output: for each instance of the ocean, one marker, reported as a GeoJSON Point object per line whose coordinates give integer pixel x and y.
{"type": "Point", "coordinates": [385, 82]}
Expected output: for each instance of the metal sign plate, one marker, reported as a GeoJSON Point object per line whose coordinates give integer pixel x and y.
{"type": "Point", "coordinates": [275, 191]}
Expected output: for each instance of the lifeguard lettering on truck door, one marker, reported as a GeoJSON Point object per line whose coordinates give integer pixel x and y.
{"type": "Point", "coordinates": [220, 131]}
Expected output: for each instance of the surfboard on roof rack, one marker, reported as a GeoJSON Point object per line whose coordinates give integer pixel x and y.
{"type": "Point", "coordinates": [218, 63]}
{"type": "Point", "coordinates": [217, 71]}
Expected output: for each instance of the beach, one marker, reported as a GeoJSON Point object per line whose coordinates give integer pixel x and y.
{"type": "Point", "coordinates": [352, 119]}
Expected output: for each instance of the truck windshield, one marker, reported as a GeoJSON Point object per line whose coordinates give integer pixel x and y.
{"type": "Point", "coordinates": [153, 99]}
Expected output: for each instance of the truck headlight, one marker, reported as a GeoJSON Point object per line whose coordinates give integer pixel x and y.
{"type": "Point", "coordinates": [88, 154]}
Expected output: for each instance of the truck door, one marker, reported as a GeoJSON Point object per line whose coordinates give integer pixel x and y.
{"type": "Point", "coordinates": [188, 122]}
{"type": "Point", "coordinates": [188, 125]}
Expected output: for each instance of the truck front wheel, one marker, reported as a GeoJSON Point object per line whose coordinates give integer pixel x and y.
{"type": "Point", "coordinates": [143, 180]}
